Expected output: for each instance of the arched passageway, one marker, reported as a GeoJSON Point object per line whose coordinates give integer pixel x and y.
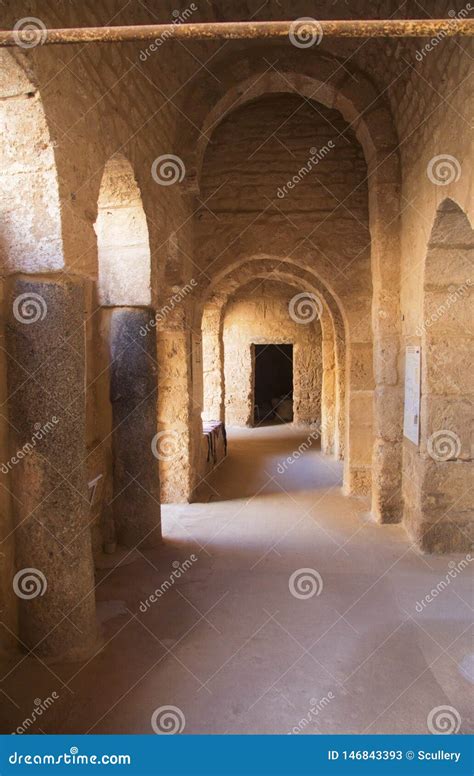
{"type": "Point", "coordinates": [150, 245]}
{"type": "Point", "coordinates": [43, 494]}
{"type": "Point", "coordinates": [123, 422]}
{"type": "Point", "coordinates": [264, 312]}
{"type": "Point", "coordinates": [303, 308]}
{"type": "Point", "coordinates": [438, 506]}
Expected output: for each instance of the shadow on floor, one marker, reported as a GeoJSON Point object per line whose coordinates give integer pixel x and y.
{"type": "Point", "coordinates": [274, 458]}
{"type": "Point", "coordinates": [227, 641]}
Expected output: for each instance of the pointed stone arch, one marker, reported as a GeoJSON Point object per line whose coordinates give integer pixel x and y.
{"type": "Point", "coordinates": [31, 229]}
{"type": "Point", "coordinates": [125, 328]}
{"type": "Point", "coordinates": [337, 434]}
{"type": "Point", "coordinates": [323, 78]}
{"type": "Point", "coordinates": [439, 509]}
{"type": "Point", "coordinates": [122, 238]}
{"type": "Point", "coordinates": [46, 413]}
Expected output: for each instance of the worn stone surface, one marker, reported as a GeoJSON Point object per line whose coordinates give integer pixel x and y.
{"type": "Point", "coordinates": [375, 242]}
{"type": "Point", "coordinates": [122, 233]}
{"type": "Point", "coordinates": [46, 398]}
{"type": "Point", "coordinates": [133, 395]}
{"type": "Point", "coordinates": [261, 314]}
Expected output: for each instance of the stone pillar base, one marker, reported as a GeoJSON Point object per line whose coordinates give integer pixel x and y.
{"type": "Point", "coordinates": [54, 578]}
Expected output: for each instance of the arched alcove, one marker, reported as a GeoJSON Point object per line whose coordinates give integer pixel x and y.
{"type": "Point", "coordinates": [30, 232]}
{"type": "Point", "coordinates": [307, 289]}
{"type": "Point", "coordinates": [439, 509]}
{"type": "Point", "coordinates": [268, 313]}
{"type": "Point", "coordinates": [126, 368]}
{"type": "Point", "coordinates": [242, 78]}
{"type": "Point", "coordinates": [43, 361]}
{"type": "Point", "coordinates": [122, 238]}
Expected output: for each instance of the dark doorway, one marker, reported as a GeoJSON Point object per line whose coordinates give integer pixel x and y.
{"type": "Point", "coordinates": [273, 384]}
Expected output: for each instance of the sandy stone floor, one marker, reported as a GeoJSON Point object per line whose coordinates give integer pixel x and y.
{"type": "Point", "coordinates": [239, 642]}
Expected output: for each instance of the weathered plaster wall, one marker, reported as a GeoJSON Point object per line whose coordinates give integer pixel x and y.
{"type": "Point", "coordinates": [258, 314]}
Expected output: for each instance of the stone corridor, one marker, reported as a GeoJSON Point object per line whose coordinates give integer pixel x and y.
{"type": "Point", "coordinates": [191, 541]}
{"type": "Point", "coordinates": [232, 647]}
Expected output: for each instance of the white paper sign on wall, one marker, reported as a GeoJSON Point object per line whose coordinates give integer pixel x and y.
{"type": "Point", "coordinates": [411, 418]}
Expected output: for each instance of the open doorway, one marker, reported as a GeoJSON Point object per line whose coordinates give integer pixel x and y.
{"type": "Point", "coordinates": [273, 384]}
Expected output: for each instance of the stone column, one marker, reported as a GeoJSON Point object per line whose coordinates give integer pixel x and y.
{"type": "Point", "coordinates": [358, 430]}
{"type": "Point", "coordinates": [328, 398]}
{"type": "Point", "coordinates": [388, 395]}
{"type": "Point", "coordinates": [340, 403]}
{"type": "Point", "coordinates": [177, 423]}
{"type": "Point", "coordinates": [54, 578]}
{"type": "Point", "coordinates": [133, 395]}
{"type": "Point", "coordinates": [213, 363]}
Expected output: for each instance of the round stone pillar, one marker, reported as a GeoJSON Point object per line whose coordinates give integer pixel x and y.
{"type": "Point", "coordinates": [54, 577]}
{"type": "Point", "coordinates": [133, 395]}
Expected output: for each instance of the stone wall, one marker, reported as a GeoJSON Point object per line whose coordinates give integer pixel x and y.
{"type": "Point", "coordinates": [66, 111]}
{"type": "Point", "coordinates": [260, 314]}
